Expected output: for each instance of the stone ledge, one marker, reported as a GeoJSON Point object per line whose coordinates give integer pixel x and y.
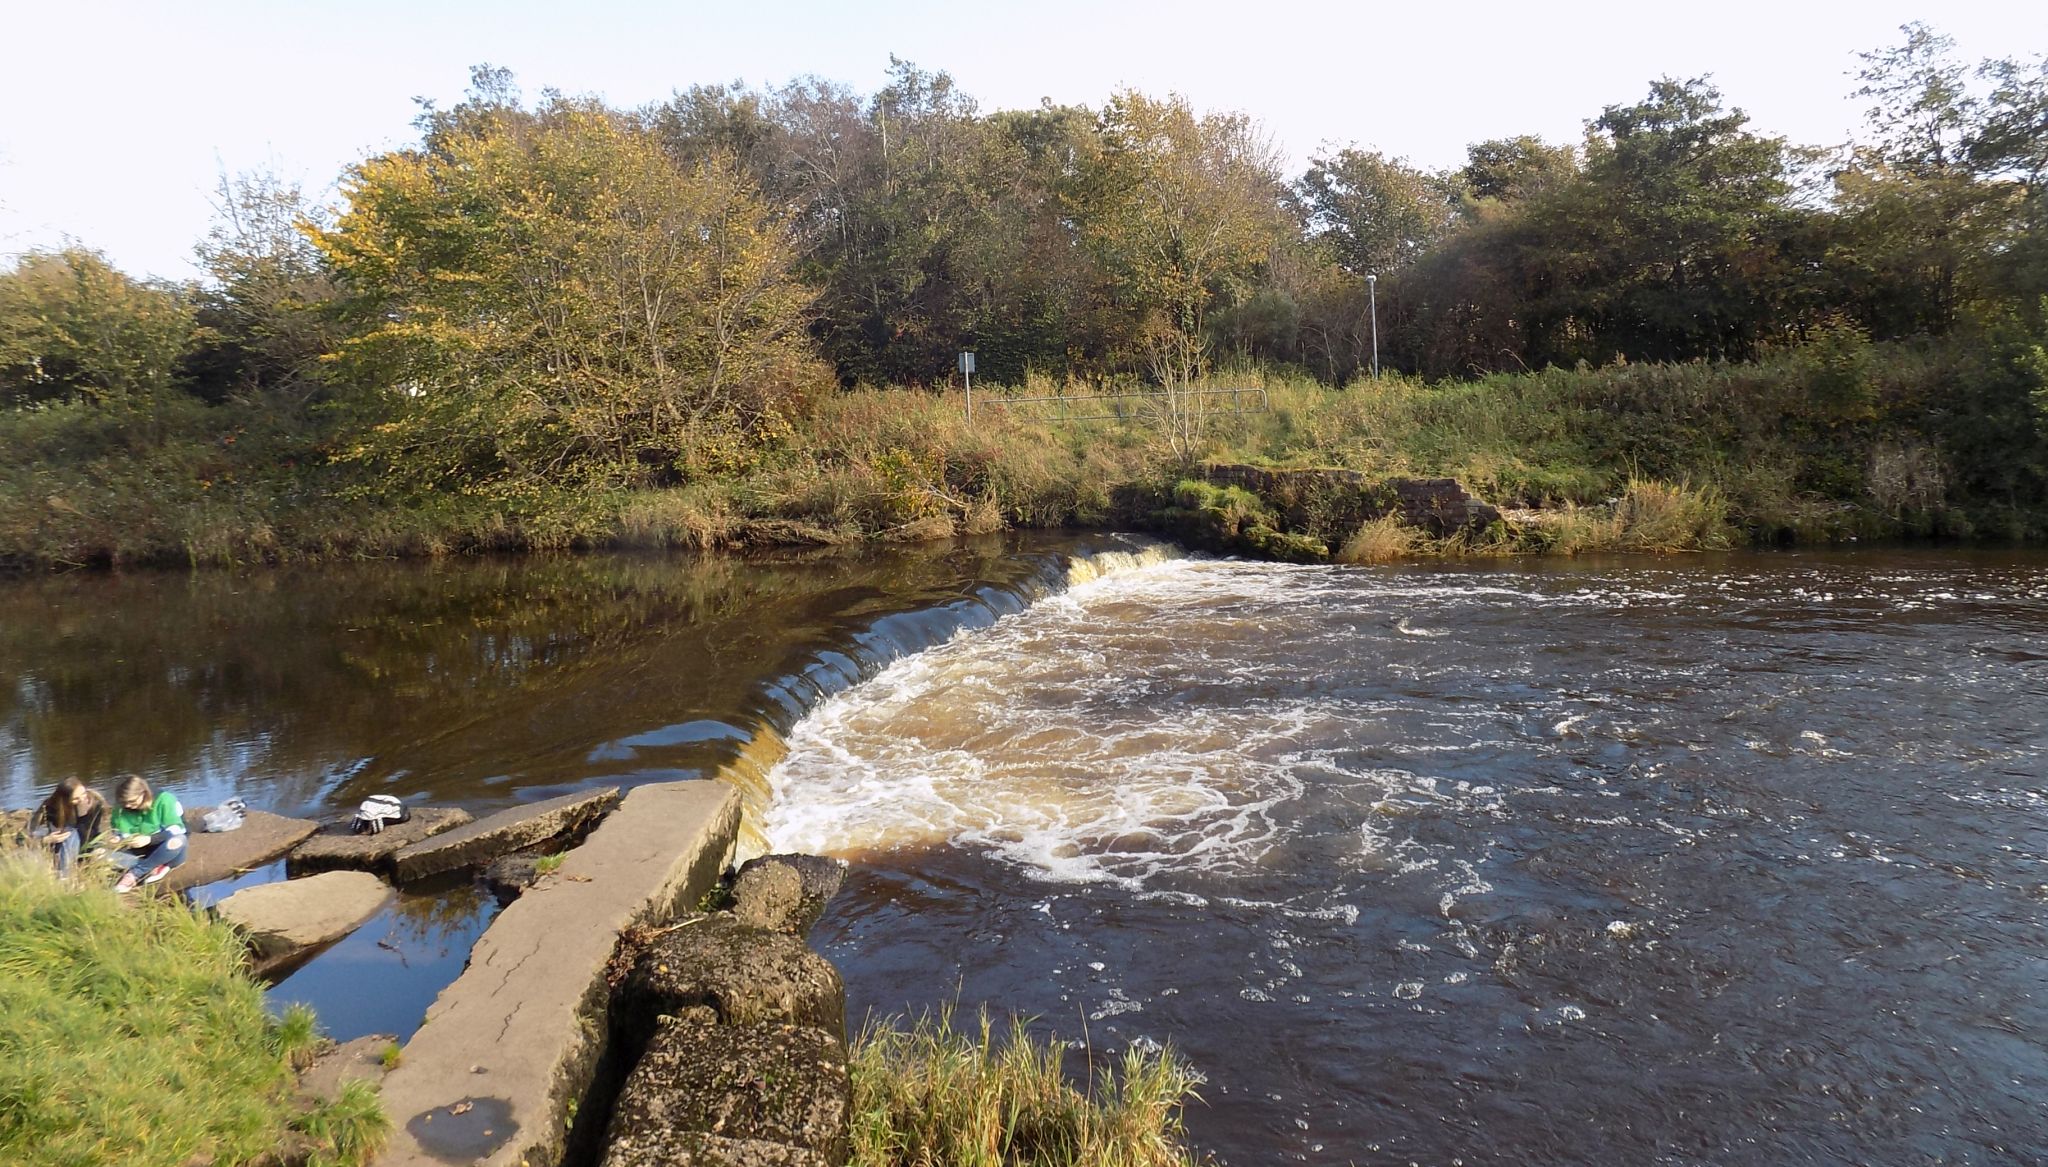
{"type": "Point", "coordinates": [282, 921]}
{"type": "Point", "coordinates": [519, 1035]}
{"type": "Point", "coordinates": [337, 846]}
{"type": "Point", "coordinates": [494, 835]}
{"type": "Point", "coordinates": [210, 857]}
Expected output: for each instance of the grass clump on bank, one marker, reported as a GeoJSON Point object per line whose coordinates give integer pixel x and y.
{"type": "Point", "coordinates": [1799, 447]}
{"type": "Point", "coordinates": [130, 1033]}
{"type": "Point", "coordinates": [935, 1095]}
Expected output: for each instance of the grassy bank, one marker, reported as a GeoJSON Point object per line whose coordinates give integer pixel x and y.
{"type": "Point", "coordinates": [1833, 441]}
{"type": "Point", "coordinates": [934, 1093]}
{"type": "Point", "coordinates": [130, 1033]}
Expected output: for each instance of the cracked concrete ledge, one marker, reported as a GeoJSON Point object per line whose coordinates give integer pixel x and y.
{"type": "Point", "coordinates": [506, 1051]}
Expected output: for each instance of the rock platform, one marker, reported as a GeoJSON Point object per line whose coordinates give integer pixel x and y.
{"type": "Point", "coordinates": [511, 1047]}
{"type": "Point", "coordinates": [337, 846]}
{"type": "Point", "coordinates": [282, 921]}
{"type": "Point", "coordinates": [262, 838]}
{"type": "Point", "coordinates": [494, 835]}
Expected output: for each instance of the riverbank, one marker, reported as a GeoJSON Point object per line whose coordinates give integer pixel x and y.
{"type": "Point", "coordinates": [1835, 442]}
{"type": "Point", "coordinates": [131, 1032]}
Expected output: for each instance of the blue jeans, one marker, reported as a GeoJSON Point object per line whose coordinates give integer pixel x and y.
{"type": "Point", "coordinates": [66, 853]}
{"type": "Point", "coordinates": [166, 849]}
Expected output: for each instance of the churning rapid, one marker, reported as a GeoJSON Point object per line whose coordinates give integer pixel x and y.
{"type": "Point", "coordinates": [1727, 861]}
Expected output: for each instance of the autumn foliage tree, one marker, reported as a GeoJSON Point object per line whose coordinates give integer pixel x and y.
{"type": "Point", "coordinates": [547, 298]}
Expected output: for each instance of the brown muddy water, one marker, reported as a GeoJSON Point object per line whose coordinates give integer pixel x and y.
{"type": "Point", "coordinates": [477, 683]}
{"type": "Point", "coordinates": [1732, 860]}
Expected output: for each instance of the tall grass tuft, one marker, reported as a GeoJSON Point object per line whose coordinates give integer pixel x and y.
{"type": "Point", "coordinates": [1664, 517]}
{"type": "Point", "coordinates": [130, 1033]}
{"type": "Point", "coordinates": [1381, 540]}
{"type": "Point", "coordinates": [934, 1094]}
{"type": "Point", "coordinates": [345, 1130]}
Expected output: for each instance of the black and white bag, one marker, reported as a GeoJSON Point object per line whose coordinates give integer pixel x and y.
{"type": "Point", "coordinates": [379, 811]}
{"type": "Point", "coordinates": [225, 817]}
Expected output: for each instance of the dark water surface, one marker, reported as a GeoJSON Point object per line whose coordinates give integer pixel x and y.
{"type": "Point", "coordinates": [1735, 860]}
{"type": "Point", "coordinates": [1738, 860]}
{"type": "Point", "coordinates": [477, 683]}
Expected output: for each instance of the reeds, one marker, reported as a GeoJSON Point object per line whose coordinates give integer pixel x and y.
{"type": "Point", "coordinates": [935, 1095]}
{"type": "Point", "coordinates": [1381, 540]}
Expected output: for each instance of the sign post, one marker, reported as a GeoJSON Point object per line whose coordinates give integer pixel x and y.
{"type": "Point", "coordinates": [1372, 287]}
{"type": "Point", "coordinates": [967, 371]}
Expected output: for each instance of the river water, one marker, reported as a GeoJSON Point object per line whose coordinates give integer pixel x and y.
{"type": "Point", "coordinates": [1731, 860]}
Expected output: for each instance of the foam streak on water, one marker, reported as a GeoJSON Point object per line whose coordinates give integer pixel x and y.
{"type": "Point", "coordinates": [1729, 861]}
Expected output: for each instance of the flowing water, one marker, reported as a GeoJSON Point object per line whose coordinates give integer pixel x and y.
{"type": "Point", "coordinates": [474, 683]}
{"type": "Point", "coordinates": [1730, 860]}
{"type": "Point", "coordinates": [1733, 860]}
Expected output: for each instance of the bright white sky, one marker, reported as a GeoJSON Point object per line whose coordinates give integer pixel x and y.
{"type": "Point", "coordinates": [119, 117]}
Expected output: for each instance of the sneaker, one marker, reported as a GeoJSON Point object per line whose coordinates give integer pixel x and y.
{"type": "Point", "coordinates": [157, 872]}
{"type": "Point", "coordinates": [126, 884]}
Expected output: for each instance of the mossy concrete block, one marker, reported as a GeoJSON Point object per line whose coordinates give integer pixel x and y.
{"type": "Point", "coordinates": [494, 835]}
{"type": "Point", "coordinates": [710, 1151]}
{"type": "Point", "coordinates": [772, 1084]}
{"type": "Point", "coordinates": [490, 1077]}
{"type": "Point", "coordinates": [786, 893]}
{"type": "Point", "coordinates": [282, 920]}
{"type": "Point", "coordinates": [508, 876]}
{"type": "Point", "coordinates": [338, 847]}
{"type": "Point", "coordinates": [262, 838]}
{"type": "Point", "coordinates": [746, 976]}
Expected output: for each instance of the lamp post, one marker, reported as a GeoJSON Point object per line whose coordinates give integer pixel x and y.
{"type": "Point", "coordinates": [1372, 289]}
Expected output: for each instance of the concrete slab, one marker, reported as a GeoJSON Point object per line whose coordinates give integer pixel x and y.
{"type": "Point", "coordinates": [764, 1083]}
{"type": "Point", "coordinates": [283, 920]}
{"type": "Point", "coordinates": [490, 1076]}
{"type": "Point", "coordinates": [495, 835]}
{"type": "Point", "coordinates": [338, 847]}
{"type": "Point", "coordinates": [262, 838]}
{"type": "Point", "coordinates": [361, 1060]}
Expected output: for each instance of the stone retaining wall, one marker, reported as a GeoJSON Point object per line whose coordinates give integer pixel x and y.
{"type": "Point", "coordinates": [1332, 503]}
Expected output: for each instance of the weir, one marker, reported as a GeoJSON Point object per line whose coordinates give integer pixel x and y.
{"type": "Point", "coordinates": [513, 1051]}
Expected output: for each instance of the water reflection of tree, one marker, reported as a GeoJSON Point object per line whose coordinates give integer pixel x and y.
{"type": "Point", "coordinates": [463, 679]}
{"type": "Point", "coordinates": [428, 920]}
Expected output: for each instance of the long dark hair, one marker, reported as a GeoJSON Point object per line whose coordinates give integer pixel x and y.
{"type": "Point", "coordinates": [60, 810]}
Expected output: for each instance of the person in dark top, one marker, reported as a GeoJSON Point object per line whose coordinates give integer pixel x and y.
{"type": "Point", "coordinates": [73, 819]}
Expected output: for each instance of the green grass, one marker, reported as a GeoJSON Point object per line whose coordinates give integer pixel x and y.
{"type": "Point", "coordinates": [1824, 443]}
{"type": "Point", "coordinates": [130, 1033]}
{"type": "Point", "coordinates": [935, 1095]}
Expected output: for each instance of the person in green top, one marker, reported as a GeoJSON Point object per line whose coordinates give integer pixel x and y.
{"type": "Point", "coordinates": [150, 832]}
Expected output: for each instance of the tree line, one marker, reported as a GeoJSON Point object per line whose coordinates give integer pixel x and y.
{"type": "Point", "coordinates": [560, 291]}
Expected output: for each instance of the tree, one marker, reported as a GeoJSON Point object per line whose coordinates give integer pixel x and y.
{"type": "Point", "coordinates": [263, 318]}
{"type": "Point", "coordinates": [75, 328]}
{"type": "Point", "coordinates": [1511, 170]}
{"type": "Point", "coordinates": [1186, 209]}
{"type": "Point", "coordinates": [2010, 145]}
{"type": "Point", "coordinates": [1688, 212]}
{"type": "Point", "coordinates": [1376, 214]}
{"type": "Point", "coordinates": [1920, 223]}
{"type": "Point", "coordinates": [545, 297]}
